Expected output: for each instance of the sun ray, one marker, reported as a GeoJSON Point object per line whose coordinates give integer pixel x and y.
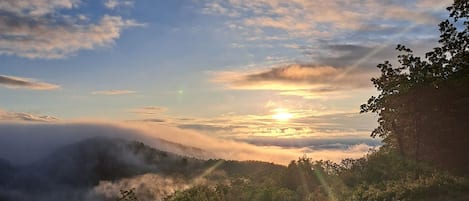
{"type": "Point", "coordinates": [327, 187]}
{"type": "Point", "coordinates": [207, 172]}
{"type": "Point", "coordinates": [379, 48]}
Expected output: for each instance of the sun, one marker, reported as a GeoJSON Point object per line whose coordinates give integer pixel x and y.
{"type": "Point", "coordinates": [282, 115]}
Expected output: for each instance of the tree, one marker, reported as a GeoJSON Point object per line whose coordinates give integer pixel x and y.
{"type": "Point", "coordinates": [128, 195]}
{"type": "Point", "coordinates": [423, 103]}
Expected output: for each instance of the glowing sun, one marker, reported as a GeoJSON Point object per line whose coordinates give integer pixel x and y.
{"type": "Point", "coordinates": [282, 115]}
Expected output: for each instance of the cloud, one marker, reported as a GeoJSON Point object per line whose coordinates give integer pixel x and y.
{"type": "Point", "coordinates": [215, 8]}
{"type": "Point", "coordinates": [315, 143]}
{"type": "Point", "coordinates": [113, 92]}
{"type": "Point", "coordinates": [210, 128]}
{"type": "Point", "coordinates": [347, 40]}
{"type": "Point", "coordinates": [37, 7]}
{"type": "Point", "coordinates": [42, 139]}
{"type": "Point", "coordinates": [147, 186]}
{"type": "Point", "coordinates": [149, 110]}
{"type": "Point", "coordinates": [22, 116]}
{"type": "Point", "coordinates": [152, 120]}
{"type": "Point", "coordinates": [37, 29]}
{"type": "Point", "coordinates": [431, 4]}
{"type": "Point", "coordinates": [296, 79]}
{"type": "Point", "coordinates": [305, 122]}
{"type": "Point", "coordinates": [319, 19]}
{"type": "Point", "coordinates": [345, 55]}
{"type": "Point", "coordinates": [26, 83]}
{"type": "Point", "coordinates": [112, 4]}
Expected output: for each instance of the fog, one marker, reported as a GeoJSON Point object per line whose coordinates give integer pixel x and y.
{"type": "Point", "coordinates": [21, 143]}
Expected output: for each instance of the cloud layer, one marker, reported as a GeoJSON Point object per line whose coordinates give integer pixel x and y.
{"type": "Point", "coordinates": [38, 29]}
{"type": "Point", "coordinates": [42, 139]}
{"type": "Point", "coordinates": [26, 83]}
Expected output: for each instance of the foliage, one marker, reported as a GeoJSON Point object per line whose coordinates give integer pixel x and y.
{"type": "Point", "coordinates": [128, 195]}
{"type": "Point", "coordinates": [422, 108]}
{"type": "Point", "coordinates": [434, 187]}
{"type": "Point", "coordinates": [381, 175]}
{"type": "Point", "coordinates": [238, 189]}
{"type": "Point", "coordinates": [423, 103]}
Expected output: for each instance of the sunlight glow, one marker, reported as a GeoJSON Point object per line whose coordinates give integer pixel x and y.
{"type": "Point", "coordinates": [282, 115]}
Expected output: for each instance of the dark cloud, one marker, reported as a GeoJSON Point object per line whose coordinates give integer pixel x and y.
{"type": "Point", "coordinates": [360, 57]}
{"type": "Point", "coordinates": [18, 82]}
{"type": "Point", "coordinates": [364, 57]}
{"type": "Point", "coordinates": [298, 79]}
{"type": "Point", "coordinates": [294, 73]}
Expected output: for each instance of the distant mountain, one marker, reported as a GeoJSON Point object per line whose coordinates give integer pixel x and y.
{"type": "Point", "coordinates": [90, 161]}
{"type": "Point", "coordinates": [76, 168]}
{"type": "Point", "coordinates": [184, 150]}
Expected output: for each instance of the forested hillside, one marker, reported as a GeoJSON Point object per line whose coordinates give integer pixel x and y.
{"type": "Point", "coordinates": [422, 108]}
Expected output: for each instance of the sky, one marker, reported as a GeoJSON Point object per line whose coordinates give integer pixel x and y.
{"type": "Point", "coordinates": [286, 73]}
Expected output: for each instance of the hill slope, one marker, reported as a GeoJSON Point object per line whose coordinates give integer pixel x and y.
{"type": "Point", "coordinates": [72, 171]}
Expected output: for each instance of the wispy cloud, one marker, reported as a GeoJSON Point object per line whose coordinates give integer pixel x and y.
{"type": "Point", "coordinates": [113, 92]}
{"type": "Point", "coordinates": [149, 110]}
{"type": "Point", "coordinates": [37, 7]}
{"type": "Point", "coordinates": [37, 29]}
{"type": "Point", "coordinates": [112, 4]}
{"type": "Point", "coordinates": [26, 83]}
{"type": "Point", "coordinates": [316, 18]}
{"type": "Point", "coordinates": [304, 122]}
{"type": "Point", "coordinates": [341, 41]}
{"type": "Point", "coordinates": [23, 116]}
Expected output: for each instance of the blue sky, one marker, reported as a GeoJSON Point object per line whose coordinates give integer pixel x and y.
{"type": "Point", "coordinates": [223, 68]}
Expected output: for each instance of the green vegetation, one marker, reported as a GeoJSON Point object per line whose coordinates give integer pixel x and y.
{"type": "Point", "coordinates": [422, 108]}
{"type": "Point", "coordinates": [128, 195]}
{"type": "Point", "coordinates": [423, 104]}
{"type": "Point", "coordinates": [381, 175]}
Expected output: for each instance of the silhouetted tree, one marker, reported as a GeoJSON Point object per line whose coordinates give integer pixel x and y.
{"type": "Point", "coordinates": [423, 103]}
